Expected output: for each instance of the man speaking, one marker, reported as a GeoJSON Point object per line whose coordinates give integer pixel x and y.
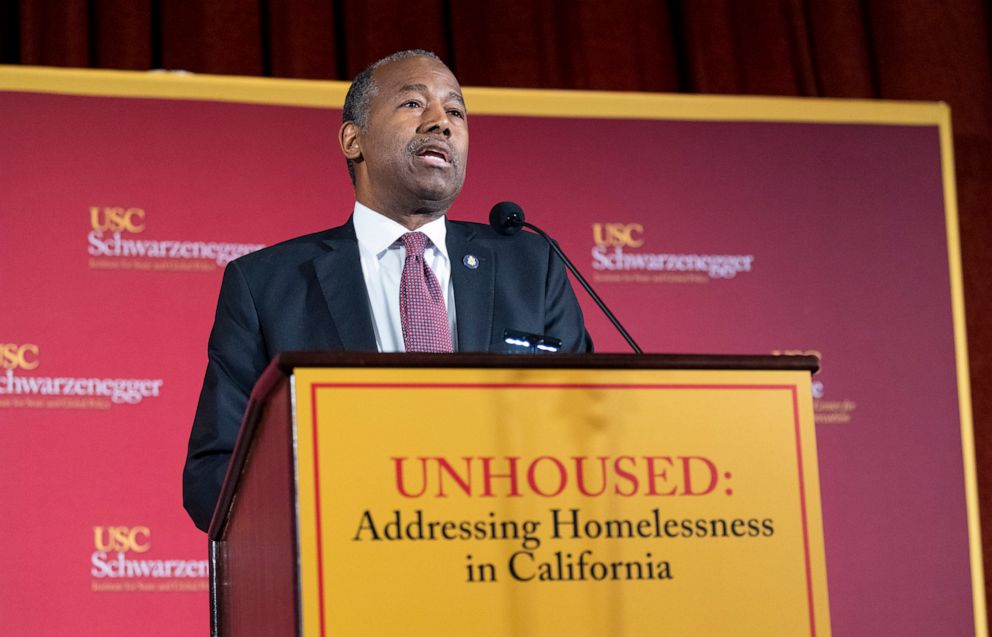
{"type": "Point", "coordinates": [396, 277]}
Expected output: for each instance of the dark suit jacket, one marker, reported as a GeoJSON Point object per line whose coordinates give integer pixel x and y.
{"type": "Point", "coordinates": [308, 294]}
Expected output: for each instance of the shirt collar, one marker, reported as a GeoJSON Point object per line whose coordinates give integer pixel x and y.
{"type": "Point", "coordinates": [376, 232]}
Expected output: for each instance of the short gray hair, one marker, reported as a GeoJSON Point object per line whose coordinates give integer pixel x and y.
{"type": "Point", "coordinates": [358, 102]}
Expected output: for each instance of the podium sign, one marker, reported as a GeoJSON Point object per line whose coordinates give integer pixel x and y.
{"type": "Point", "coordinates": [558, 502]}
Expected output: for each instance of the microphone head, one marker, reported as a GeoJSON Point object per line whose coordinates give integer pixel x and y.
{"type": "Point", "coordinates": [506, 218]}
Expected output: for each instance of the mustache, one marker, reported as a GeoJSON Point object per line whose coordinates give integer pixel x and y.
{"type": "Point", "coordinates": [418, 144]}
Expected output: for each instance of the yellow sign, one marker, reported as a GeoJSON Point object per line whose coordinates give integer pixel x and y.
{"type": "Point", "coordinates": [558, 502]}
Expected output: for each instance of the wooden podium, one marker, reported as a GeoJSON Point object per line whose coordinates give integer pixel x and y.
{"type": "Point", "coordinates": [523, 495]}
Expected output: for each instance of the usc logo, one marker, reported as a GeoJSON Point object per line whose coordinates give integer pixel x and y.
{"type": "Point", "coordinates": [618, 234]}
{"type": "Point", "coordinates": [121, 538]}
{"type": "Point", "coordinates": [13, 356]}
{"type": "Point", "coordinates": [117, 219]}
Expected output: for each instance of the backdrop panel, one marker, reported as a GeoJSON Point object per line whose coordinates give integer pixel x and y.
{"type": "Point", "coordinates": [725, 225]}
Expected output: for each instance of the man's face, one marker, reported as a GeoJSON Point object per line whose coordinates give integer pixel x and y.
{"type": "Point", "coordinates": [415, 146]}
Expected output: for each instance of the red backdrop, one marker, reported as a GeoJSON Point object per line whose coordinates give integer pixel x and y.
{"type": "Point", "coordinates": [832, 238]}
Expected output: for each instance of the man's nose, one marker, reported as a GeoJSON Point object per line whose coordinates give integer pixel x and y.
{"type": "Point", "coordinates": [435, 120]}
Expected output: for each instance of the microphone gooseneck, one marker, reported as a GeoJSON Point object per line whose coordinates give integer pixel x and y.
{"type": "Point", "coordinates": [507, 218]}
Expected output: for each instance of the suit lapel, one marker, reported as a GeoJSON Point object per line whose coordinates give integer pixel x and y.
{"type": "Point", "coordinates": [339, 273]}
{"type": "Point", "coordinates": [474, 288]}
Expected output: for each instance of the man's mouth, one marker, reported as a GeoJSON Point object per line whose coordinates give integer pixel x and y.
{"type": "Point", "coordinates": [434, 154]}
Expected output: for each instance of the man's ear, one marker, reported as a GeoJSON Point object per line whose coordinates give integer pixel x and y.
{"type": "Point", "coordinates": [348, 140]}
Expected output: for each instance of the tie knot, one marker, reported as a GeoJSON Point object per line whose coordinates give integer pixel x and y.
{"type": "Point", "coordinates": [415, 243]}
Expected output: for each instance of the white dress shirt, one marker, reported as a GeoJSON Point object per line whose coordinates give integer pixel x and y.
{"type": "Point", "coordinates": [382, 255]}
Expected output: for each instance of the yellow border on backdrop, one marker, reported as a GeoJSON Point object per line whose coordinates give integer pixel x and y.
{"type": "Point", "coordinates": [592, 104]}
{"type": "Point", "coordinates": [481, 101]}
{"type": "Point", "coordinates": [964, 378]}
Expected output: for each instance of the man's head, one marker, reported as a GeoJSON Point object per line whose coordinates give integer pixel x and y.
{"type": "Point", "coordinates": [405, 135]}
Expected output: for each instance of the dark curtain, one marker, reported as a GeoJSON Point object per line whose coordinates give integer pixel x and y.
{"type": "Point", "coordinates": [891, 49]}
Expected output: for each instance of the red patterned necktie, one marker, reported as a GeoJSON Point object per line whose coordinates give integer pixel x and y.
{"type": "Point", "coordinates": [422, 310]}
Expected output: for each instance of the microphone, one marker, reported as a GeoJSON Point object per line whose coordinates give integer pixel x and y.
{"type": "Point", "coordinates": [507, 218]}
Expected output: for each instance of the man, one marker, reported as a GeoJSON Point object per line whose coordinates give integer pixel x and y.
{"type": "Point", "coordinates": [396, 277]}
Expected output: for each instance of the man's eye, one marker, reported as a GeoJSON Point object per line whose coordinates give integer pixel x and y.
{"type": "Point", "coordinates": [456, 113]}
{"type": "Point", "coordinates": [411, 104]}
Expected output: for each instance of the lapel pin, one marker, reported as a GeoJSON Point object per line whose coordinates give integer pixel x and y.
{"type": "Point", "coordinates": [471, 261]}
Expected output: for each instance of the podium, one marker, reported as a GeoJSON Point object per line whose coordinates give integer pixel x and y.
{"type": "Point", "coordinates": [522, 495]}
